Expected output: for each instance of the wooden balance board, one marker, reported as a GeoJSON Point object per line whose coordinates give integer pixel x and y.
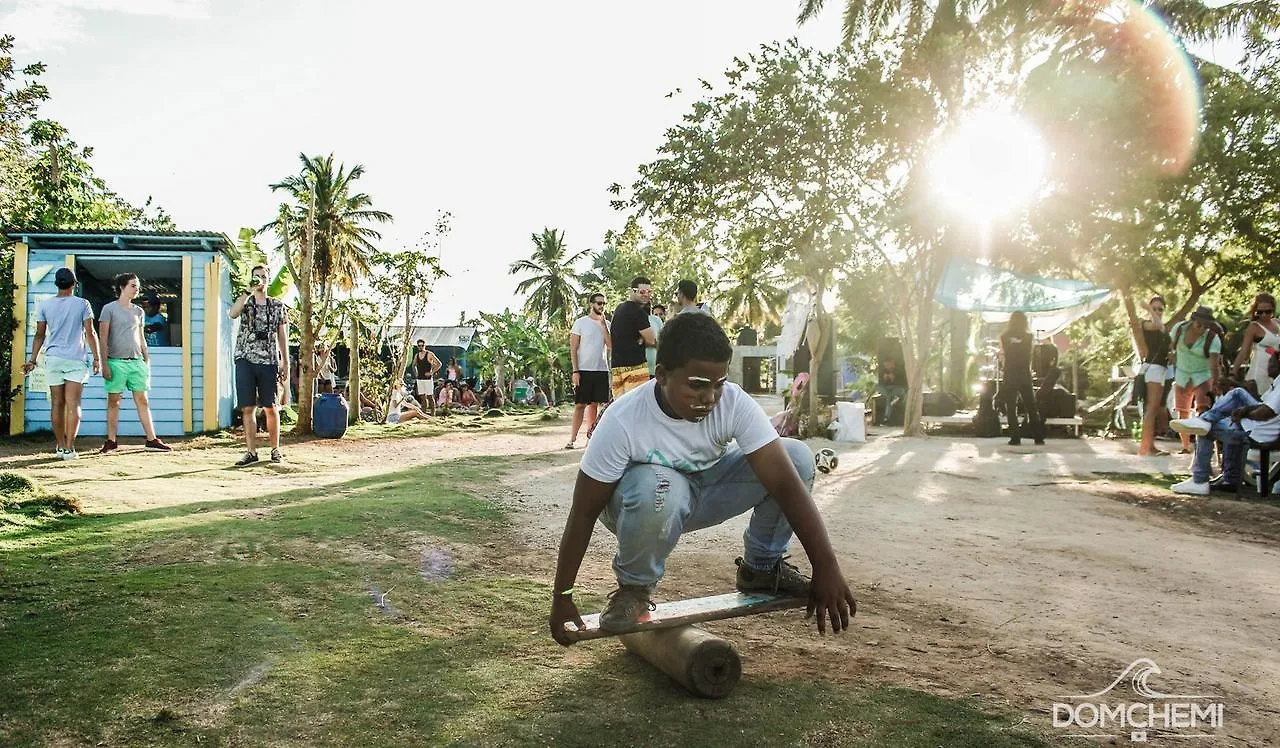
{"type": "Point", "coordinates": [703, 663]}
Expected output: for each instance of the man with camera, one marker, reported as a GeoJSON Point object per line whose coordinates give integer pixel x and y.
{"type": "Point", "coordinates": [262, 358]}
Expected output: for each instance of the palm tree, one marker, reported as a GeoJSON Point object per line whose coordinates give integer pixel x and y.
{"type": "Point", "coordinates": [553, 289]}
{"type": "Point", "coordinates": [343, 237]}
{"type": "Point", "coordinates": [750, 292]}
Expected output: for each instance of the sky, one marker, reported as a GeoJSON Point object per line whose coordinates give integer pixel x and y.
{"type": "Point", "coordinates": [513, 116]}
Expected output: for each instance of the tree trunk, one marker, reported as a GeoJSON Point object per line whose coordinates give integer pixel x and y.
{"type": "Point", "coordinates": [816, 423]}
{"type": "Point", "coordinates": [306, 346]}
{"type": "Point", "coordinates": [353, 375]}
{"type": "Point", "coordinates": [958, 373]}
{"type": "Point", "coordinates": [917, 348]}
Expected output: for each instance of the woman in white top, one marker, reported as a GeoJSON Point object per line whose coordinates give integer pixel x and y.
{"type": "Point", "coordinates": [1262, 334]}
{"type": "Point", "coordinates": [403, 408]}
{"type": "Point", "coordinates": [326, 369]}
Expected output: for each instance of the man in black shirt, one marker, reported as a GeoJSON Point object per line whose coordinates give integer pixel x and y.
{"type": "Point", "coordinates": [630, 333]}
{"type": "Point", "coordinates": [425, 366]}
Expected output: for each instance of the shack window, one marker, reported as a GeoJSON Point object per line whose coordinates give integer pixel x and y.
{"type": "Point", "coordinates": [161, 281]}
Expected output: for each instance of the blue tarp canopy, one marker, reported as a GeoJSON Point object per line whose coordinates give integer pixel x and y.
{"type": "Point", "coordinates": [1050, 303]}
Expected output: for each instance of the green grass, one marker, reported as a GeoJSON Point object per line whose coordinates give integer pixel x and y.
{"type": "Point", "coordinates": [255, 621]}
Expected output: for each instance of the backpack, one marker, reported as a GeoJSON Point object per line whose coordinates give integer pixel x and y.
{"type": "Point", "coordinates": [1210, 330]}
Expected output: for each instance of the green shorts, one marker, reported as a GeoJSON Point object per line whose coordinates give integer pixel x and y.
{"type": "Point", "coordinates": [132, 374]}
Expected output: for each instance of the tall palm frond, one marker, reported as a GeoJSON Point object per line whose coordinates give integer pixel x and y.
{"type": "Point", "coordinates": [553, 288]}
{"type": "Point", "coordinates": [343, 233]}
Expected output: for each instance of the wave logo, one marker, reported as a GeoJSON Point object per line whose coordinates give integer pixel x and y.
{"type": "Point", "coordinates": [1107, 714]}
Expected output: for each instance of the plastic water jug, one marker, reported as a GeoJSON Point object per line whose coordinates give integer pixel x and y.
{"type": "Point", "coordinates": [329, 416]}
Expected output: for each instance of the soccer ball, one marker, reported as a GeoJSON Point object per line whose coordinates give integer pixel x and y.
{"type": "Point", "coordinates": [826, 460]}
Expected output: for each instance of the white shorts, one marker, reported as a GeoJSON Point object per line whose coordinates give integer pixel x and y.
{"type": "Point", "coordinates": [1153, 373]}
{"type": "Point", "coordinates": [426, 386]}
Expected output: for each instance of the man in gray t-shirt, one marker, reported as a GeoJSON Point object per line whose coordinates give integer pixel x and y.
{"type": "Point", "coordinates": [64, 329]}
{"type": "Point", "coordinates": [128, 364]}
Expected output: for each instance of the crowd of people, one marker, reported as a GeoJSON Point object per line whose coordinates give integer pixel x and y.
{"type": "Point", "coordinates": [1232, 405]}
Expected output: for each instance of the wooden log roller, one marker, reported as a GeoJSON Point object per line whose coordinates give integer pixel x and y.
{"type": "Point", "coordinates": [703, 663]}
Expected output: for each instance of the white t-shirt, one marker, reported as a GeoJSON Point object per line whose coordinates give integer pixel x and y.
{"type": "Point", "coordinates": [591, 348]}
{"type": "Point", "coordinates": [634, 430]}
{"type": "Point", "coordinates": [1263, 431]}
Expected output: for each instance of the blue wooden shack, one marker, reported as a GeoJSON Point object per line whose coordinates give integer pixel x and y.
{"type": "Point", "coordinates": [191, 379]}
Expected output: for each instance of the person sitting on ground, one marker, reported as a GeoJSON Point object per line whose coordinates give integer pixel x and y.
{"type": "Point", "coordinates": [1234, 419]}
{"type": "Point", "coordinates": [403, 408]}
{"type": "Point", "coordinates": [467, 397]}
{"type": "Point", "coordinates": [492, 396]}
{"type": "Point", "coordinates": [682, 452]}
{"type": "Point", "coordinates": [446, 398]}
{"type": "Point", "coordinates": [539, 398]}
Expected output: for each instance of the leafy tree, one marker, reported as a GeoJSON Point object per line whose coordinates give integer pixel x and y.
{"type": "Point", "coordinates": [552, 290]}
{"type": "Point", "coordinates": [804, 160]}
{"type": "Point", "coordinates": [343, 220]}
{"type": "Point", "coordinates": [46, 182]}
{"type": "Point", "coordinates": [750, 292]}
{"type": "Point", "coordinates": [324, 238]}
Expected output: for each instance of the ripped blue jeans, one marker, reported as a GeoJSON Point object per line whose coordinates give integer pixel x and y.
{"type": "Point", "coordinates": [654, 505]}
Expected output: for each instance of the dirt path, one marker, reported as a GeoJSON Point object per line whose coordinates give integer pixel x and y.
{"type": "Point", "coordinates": [1008, 574]}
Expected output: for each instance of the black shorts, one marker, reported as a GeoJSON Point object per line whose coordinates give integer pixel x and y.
{"type": "Point", "coordinates": [256, 384]}
{"type": "Point", "coordinates": [593, 387]}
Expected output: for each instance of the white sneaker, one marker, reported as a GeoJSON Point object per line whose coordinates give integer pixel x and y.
{"type": "Point", "coordinates": [1194, 425]}
{"type": "Point", "coordinates": [1190, 487]}
{"type": "Point", "coordinates": [70, 454]}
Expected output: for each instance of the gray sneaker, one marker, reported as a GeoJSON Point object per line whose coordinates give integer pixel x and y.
{"type": "Point", "coordinates": [626, 605]}
{"type": "Point", "coordinates": [783, 579]}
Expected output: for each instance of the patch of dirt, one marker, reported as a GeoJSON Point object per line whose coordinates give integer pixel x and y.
{"type": "Point", "coordinates": [1010, 575]}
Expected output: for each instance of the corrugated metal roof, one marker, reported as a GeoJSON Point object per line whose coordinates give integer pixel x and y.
{"type": "Point", "coordinates": [437, 337]}
{"type": "Point", "coordinates": [119, 240]}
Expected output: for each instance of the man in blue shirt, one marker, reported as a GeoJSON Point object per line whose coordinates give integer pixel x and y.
{"type": "Point", "coordinates": [155, 326]}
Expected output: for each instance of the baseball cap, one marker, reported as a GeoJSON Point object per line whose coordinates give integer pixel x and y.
{"type": "Point", "coordinates": [65, 278]}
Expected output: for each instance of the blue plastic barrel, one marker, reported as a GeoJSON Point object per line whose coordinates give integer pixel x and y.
{"type": "Point", "coordinates": [329, 417]}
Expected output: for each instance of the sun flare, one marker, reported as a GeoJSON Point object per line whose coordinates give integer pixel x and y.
{"type": "Point", "coordinates": [991, 165]}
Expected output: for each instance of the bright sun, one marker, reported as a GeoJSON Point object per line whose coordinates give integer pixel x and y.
{"type": "Point", "coordinates": [989, 166]}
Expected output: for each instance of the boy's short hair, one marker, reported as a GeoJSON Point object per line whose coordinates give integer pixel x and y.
{"type": "Point", "coordinates": [690, 336]}
{"type": "Point", "coordinates": [688, 289]}
{"type": "Point", "coordinates": [639, 281]}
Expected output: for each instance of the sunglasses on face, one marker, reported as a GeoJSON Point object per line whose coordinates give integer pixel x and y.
{"type": "Point", "coordinates": [1265, 311]}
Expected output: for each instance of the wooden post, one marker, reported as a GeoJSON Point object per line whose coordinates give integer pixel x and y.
{"type": "Point", "coordinates": [353, 375]}
{"type": "Point", "coordinates": [703, 663]}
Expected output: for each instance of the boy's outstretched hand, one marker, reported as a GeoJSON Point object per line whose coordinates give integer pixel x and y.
{"type": "Point", "coordinates": [830, 595]}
